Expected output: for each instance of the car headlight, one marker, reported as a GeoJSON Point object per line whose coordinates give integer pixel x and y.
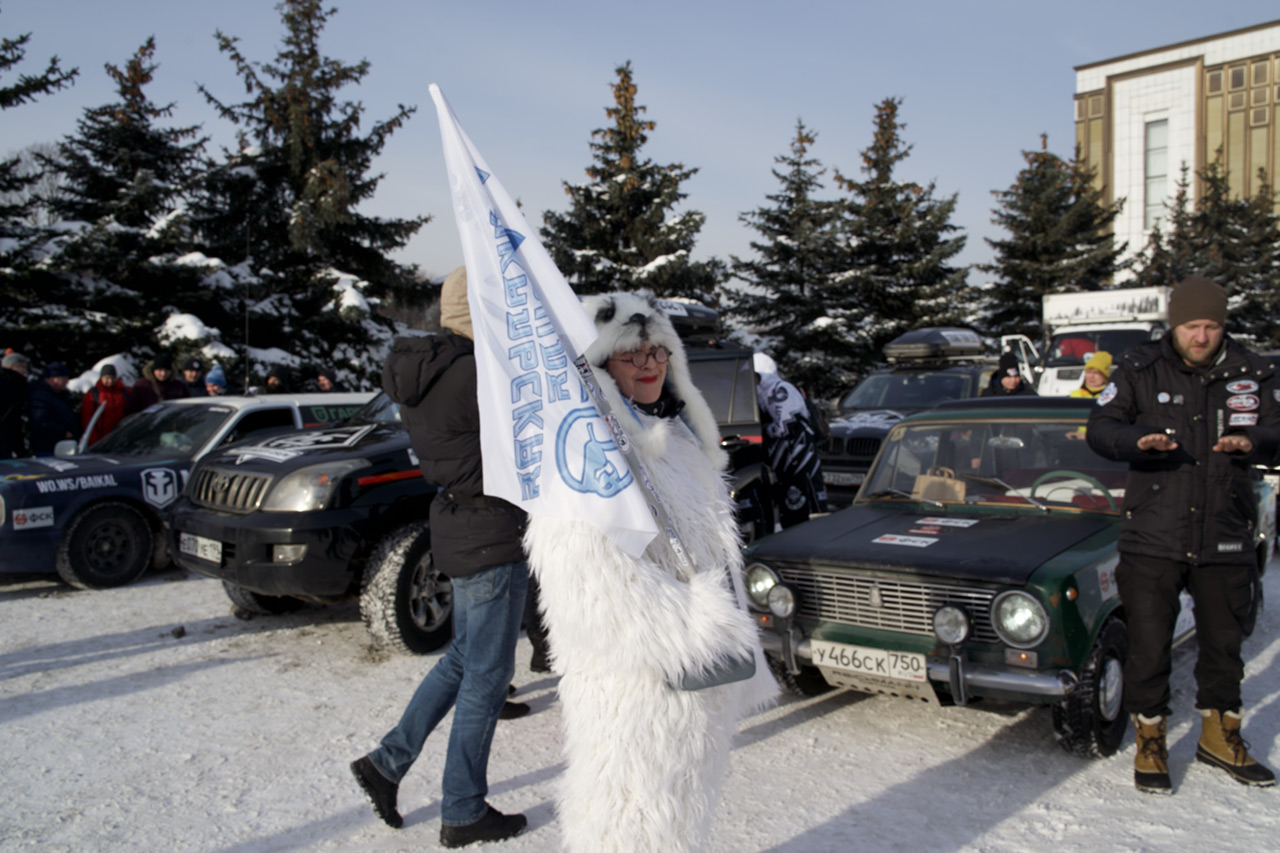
{"type": "Point", "coordinates": [951, 624]}
{"type": "Point", "coordinates": [760, 579]}
{"type": "Point", "coordinates": [311, 487]}
{"type": "Point", "coordinates": [1019, 619]}
{"type": "Point", "coordinates": [782, 601]}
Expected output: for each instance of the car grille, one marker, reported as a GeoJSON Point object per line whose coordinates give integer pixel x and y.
{"type": "Point", "coordinates": [230, 491]}
{"type": "Point", "coordinates": [862, 448]}
{"type": "Point", "coordinates": [905, 606]}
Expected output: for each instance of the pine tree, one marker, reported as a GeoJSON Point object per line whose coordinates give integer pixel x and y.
{"type": "Point", "coordinates": [1235, 242]}
{"type": "Point", "coordinates": [287, 202]}
{"type": "Point", "coordinates": [1059, 241]}
{"type": "Point", "coordinates": [621, 231]}
{"type": "Point", "coordinates": [900, 242]}
{"type": "Point", "coordinates": [16, 204]}
{"type": "Point", "coordinates": [123, 180]}
{"type": "Point", "coordinates": [788, 281]}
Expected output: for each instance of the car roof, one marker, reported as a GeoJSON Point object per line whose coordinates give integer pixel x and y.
{"type": "Point", "coordinates": [239, 401]}
{"type": "Point", "coordinates": [1031, 407]}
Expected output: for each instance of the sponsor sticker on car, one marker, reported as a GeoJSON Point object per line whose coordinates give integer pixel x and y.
{"type": "Point", "coordinates": [33, 517]}
{"type": "Point", "coordinates": [907, 541]}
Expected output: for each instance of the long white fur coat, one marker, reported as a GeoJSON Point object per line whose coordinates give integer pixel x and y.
{"type": "Point", "coordinates": [644, 761]}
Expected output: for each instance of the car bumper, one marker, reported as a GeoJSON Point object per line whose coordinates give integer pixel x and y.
{"type": "Point", "coordinates": [324, 573]}
{"type": "Point", "coordinates": [963, 678]}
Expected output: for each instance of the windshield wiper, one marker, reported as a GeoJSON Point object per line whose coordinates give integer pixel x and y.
{"type": "Point", "coordinates": [1001, 484]}
{"type": "Point", "coordinates": [899, 493]}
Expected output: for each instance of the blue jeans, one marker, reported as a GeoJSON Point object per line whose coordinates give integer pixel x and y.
{"type": "Point", "coordinates": [471, 678]}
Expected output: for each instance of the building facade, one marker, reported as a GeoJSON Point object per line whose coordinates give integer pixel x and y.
{"type": "Point", "coordinates": [1141, 118]}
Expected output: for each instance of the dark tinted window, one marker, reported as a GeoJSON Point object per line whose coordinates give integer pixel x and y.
{"type": "Point", "coordinates": [1070, 348]}
{"type": "Point", "coordinates": [908, 390]}
{"type": "Point", "coordinates": [259, 421]}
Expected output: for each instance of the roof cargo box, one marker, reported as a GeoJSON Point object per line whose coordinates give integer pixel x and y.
{"type": "Point", "coordinates": [694, 323]}
{"type": "Point", "coordinates": [934, 343]}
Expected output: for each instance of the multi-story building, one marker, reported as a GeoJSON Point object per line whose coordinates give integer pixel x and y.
{"type": "Point", "coordinates": [1141, 117]}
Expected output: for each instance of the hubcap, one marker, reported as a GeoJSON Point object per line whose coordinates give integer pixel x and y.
{"type": "Point", "coordinates": [430, 596]}
{"type": "Point", "coordinates": [1111, 689]}
{"type": "Point", "coordinates": [108, 547]}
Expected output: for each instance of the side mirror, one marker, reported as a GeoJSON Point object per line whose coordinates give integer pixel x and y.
{"type": "Point", "coordinates": [66, 447]}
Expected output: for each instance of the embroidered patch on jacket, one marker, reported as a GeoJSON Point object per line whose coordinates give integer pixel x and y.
{"type": "Point", "coordinates": [1243, 419]}
{"type": "Point", "coordinates": [1242, 386]}
{"type": "Point", "coordinates": [1109, 393]}
{"type": "Point", "coordinates": [1162, 397]}
{"type": "Point", "coordinates": [1226, 547]}
{"type": "Point", "coordinates": [1243, 402]}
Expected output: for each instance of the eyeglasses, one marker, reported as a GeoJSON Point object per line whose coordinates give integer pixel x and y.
{"type": "Point", "coordinates": [640, 358]}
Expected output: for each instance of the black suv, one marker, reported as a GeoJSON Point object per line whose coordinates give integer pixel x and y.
{"type": "Point", "coordinates": [925, 367]}
{"type": "Point", "coordinates": [340, 513]}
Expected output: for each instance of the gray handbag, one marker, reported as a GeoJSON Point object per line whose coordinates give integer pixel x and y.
{"type": "Point", "coordinates": [726, 672]}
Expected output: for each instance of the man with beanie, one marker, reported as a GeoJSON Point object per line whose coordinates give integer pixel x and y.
{"type": "Point", "coordinates": [1190, 413]}
{"type": "Point", "coordinates": [156, 383]}
{"type": "Point", "coordinates": [14, 393]}
{"type": "Point", "coordinates": [52, 413]}
{"type": "Point", "coordinates": [791, 441]}
{"type": "Point", "coordinates": [193, 378]}
{"type": "Point", "coordinates": [109, 395]}
{"type": "Point", "coordinates": [475, 540]}
{"type": "Point", "coordinates": [1007, 380]}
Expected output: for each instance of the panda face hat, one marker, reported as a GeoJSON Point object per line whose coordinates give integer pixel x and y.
{"type": "Point", "coordinates": [624, 322]}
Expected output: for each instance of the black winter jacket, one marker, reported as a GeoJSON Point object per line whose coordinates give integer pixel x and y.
{"type": "Point", "coordinates": [52, 417]}
{"type": "Point", "coordinates": [434, 381]}
{"type": "Point", "coordinates": [1190, 504]}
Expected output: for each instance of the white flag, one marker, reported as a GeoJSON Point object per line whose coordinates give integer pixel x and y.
{"type": "Point", "coordinates": [546, 449]}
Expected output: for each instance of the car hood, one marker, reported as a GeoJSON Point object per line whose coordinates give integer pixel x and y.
{"type": "Point", "coordinates": [1005, 547]}
{"type": "Point", "coordinates": [85, 465]}
{"type": "Point", "coordinates": [288, 451]}
{"type": "Point", "coordinates": [868, 420]}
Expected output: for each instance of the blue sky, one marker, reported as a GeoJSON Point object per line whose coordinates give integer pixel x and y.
{"type": "Point", "coordinates": [725, 82]}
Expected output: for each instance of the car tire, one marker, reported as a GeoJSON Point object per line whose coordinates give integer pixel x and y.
{"type": "Point", "coordinates": [109, 544]}
{"type": "Point", "coordinates": [807, 682]}
{"type": "Point", "coordinates": [259, 604]}
{"type": "Point", "coordinates": [1091, 721]}
{"type": "Point", "coordinates": [406, 604]}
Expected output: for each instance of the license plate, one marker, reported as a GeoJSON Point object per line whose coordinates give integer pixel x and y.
{"type": "Point", "coordinates": [199, 546]}
{"type": "Point", "coordinates": [901, 666]}
{"type": "Point", "coordinates": [843, 478]}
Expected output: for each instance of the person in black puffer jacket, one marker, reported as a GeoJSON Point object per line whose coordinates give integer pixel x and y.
{"type": "Point", "coordinates": [475, 540]}
{"type": "Point", "coordinates": [1191, 413]}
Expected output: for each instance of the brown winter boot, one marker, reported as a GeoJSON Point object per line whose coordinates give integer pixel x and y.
{"type": "Point", "coordinates": [1222, 746]}
{"type": "Point", "coordinates": [1151, 763]}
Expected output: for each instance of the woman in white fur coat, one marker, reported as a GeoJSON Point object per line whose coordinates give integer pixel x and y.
{"type": "Point", "coordinates": [645, 761]}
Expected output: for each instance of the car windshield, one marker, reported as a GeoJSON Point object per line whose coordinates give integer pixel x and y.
{"type": "Point", "coordinates": [1036, 463]}
{"type": "Point", "coordinates": [915, 390]}
{"type": "Point", "coordinates": [168, 430]}
{"type": "Point", "coordinates": [1072, 348]}
{"type": "Point", "coordinates": [379, 410]}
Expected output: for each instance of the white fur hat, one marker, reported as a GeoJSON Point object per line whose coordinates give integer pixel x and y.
{"type": "Point", "coordinates": [626, 320]}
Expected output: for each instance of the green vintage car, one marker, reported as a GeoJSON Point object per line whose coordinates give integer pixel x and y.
{"type": "Point", "coordinates": [978, 560]}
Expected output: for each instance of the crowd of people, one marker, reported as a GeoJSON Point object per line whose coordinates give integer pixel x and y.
{"type": "Point", "coordinates": [38, 411]}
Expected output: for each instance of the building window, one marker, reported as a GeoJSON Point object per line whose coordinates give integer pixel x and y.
{"type": "Point", "coordinates": [1157, 171]}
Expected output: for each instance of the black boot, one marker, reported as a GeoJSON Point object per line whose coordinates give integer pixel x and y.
{"type": "Point", "coordinates": [513, 710]}
{"type": "Point", "coordinates": [494, 826]}
{"type": "Point", "coordinates": [380, 790]}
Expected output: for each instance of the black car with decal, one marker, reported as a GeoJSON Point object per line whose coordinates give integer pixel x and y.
{"type": "Point", "coordinates": [96, 518]}
{"type": "Point", "coordinates": [340, 514]}
{"type": "Point", "coordinates": [978, 560]}
{"type": "Point", "coordinates": [925, 367]}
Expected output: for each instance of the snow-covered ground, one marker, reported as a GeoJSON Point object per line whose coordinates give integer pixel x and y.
{"type": "Point", "coordinates": [149, 718]}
